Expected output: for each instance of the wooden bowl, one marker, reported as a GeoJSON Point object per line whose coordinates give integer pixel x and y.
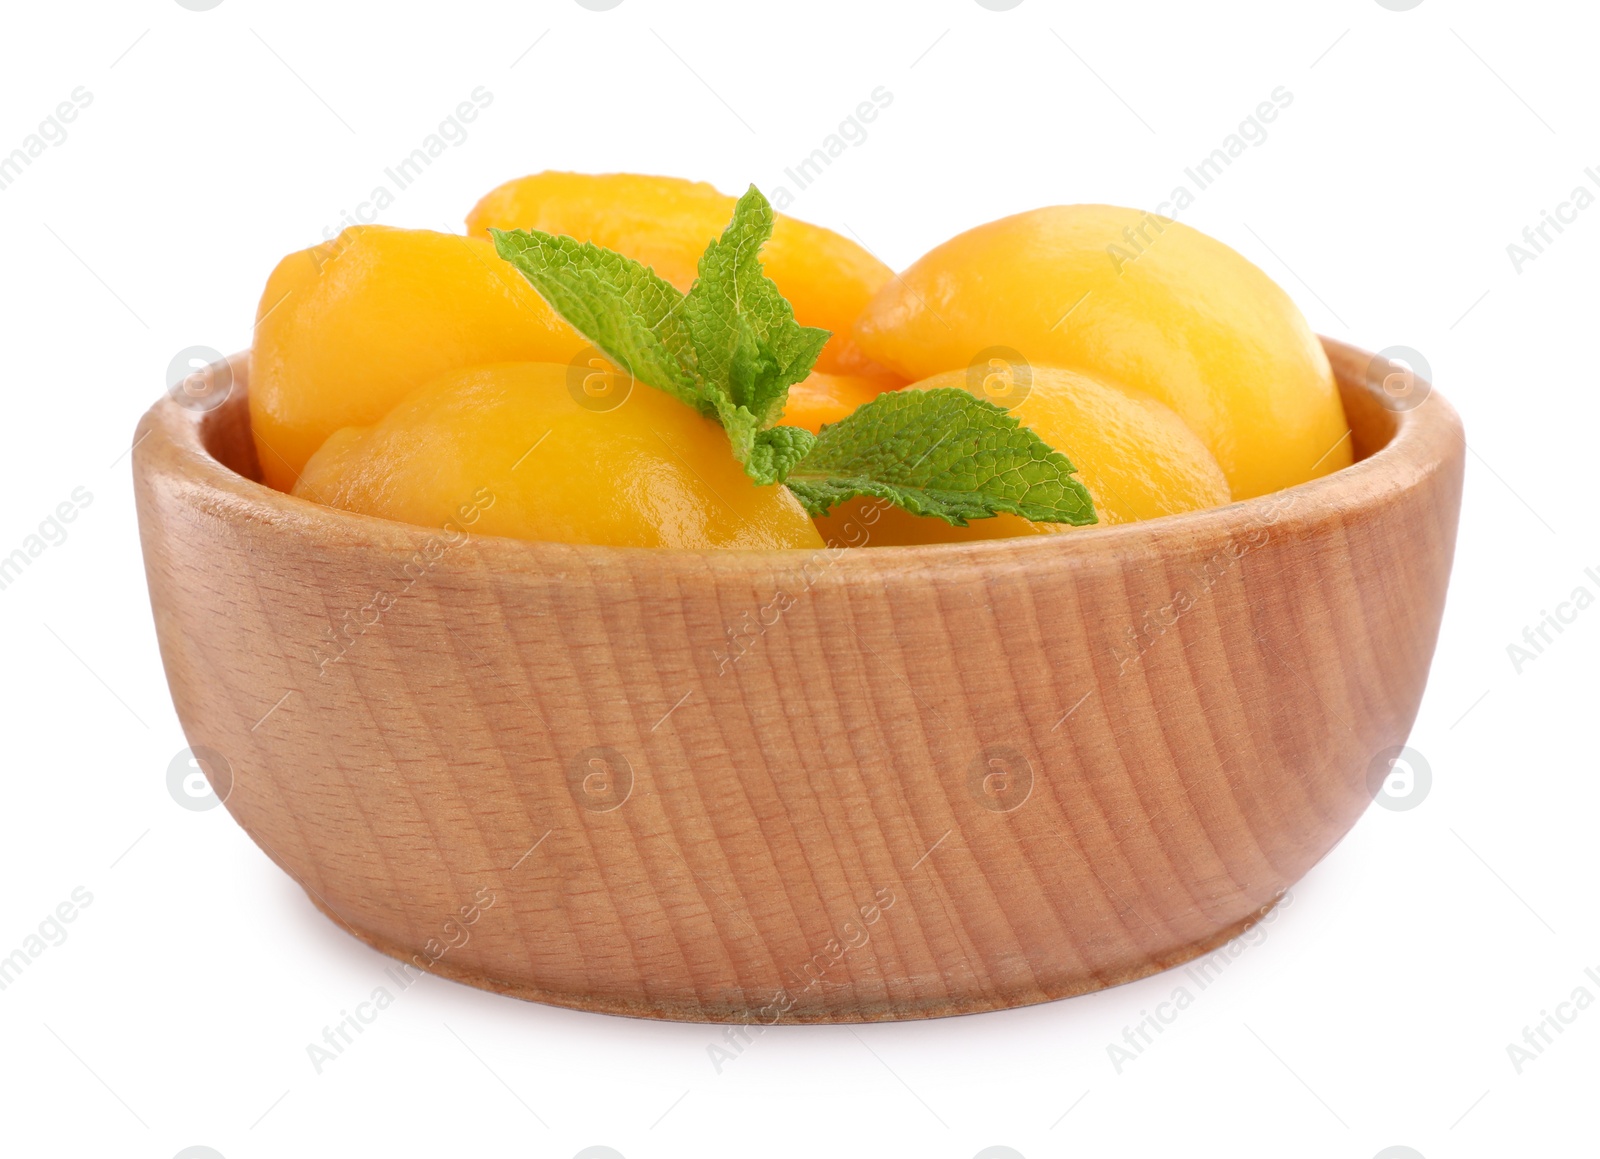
{"type": "Point", "coordinates": [841, 786]}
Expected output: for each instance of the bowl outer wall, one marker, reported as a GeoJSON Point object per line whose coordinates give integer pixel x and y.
{"type": "Point", "coordinates": [847, 785]}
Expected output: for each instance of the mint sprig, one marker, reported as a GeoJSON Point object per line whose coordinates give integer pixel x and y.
{"type": "Point", "coordinates": [942, 453]}
{"type": "Point", "coordinates": [731, 349]}
{"type": "Point", "coordinates": [747, 341]}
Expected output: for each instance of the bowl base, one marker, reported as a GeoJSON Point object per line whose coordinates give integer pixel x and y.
{"type": "Point", "coordinates": [643, 1007]}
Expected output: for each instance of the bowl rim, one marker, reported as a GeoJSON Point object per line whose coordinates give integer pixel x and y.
{"type": "Point", "coordinates": [1420, 440]}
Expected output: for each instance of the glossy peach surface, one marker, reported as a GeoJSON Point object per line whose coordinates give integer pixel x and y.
{"type": "Point", "coordinates": [510, 450]}
{"type": "Point", "coordinates": [345, 330]}
{"type": "Point", "coordinates": [1132, 299]}
{"type": "Point", "coordinates": [821, 398]}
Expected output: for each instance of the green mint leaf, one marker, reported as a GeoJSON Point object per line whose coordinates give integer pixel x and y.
{"type": "Point", "coordinates": [746, 340]}
{"type": "Point", "coordinates": [730, 347]}
{"type": "Point", "coordinates": [630, 314]}
{"type": "Point", "coordinates": [942, 453]}
{"type": "Point", "coordinates": [773, 452]}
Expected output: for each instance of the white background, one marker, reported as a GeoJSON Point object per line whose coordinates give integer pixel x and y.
{"type": "Point", "coordinates": [1377, 1010]}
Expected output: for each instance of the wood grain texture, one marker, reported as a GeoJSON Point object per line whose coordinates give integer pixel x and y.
{"type": "Point", "coordinates": [849, 786]}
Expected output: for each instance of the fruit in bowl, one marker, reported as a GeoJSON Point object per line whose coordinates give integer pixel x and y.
{"type": "Point", "coordinates": [1180, 379]}
{"type": "Point", "coordinates": [655, 474]}
{"type": "Point", "coordinates": [1140, 301]}
{"type": "Point", "coordinates": [891, 777]}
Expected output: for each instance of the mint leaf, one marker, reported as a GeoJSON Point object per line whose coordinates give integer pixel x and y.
{"type": "Point", "coordinates": [730, 347]}
{"type": "Point", "coordinates": [621, 306]}
{"type": "Point", "coordinates": [744, 332]}
{"type": "Point", "coordinates": [774, 452]}
{"type": "Point", "coordinates": [942, 453]}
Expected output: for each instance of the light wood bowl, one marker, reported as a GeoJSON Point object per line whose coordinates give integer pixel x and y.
{"type": "Point", "coordinates": [936, 780]}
